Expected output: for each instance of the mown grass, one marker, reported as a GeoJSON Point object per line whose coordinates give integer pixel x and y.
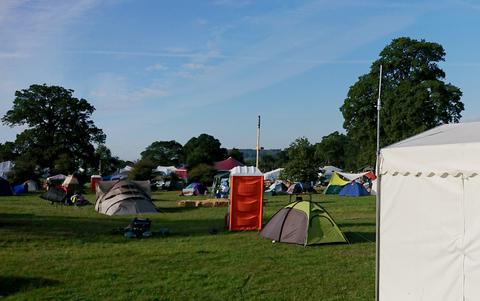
{"type": "Point", "coordinates": [52, 252]}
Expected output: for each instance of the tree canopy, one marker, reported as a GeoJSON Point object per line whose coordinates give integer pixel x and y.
{"type": "Point", "coordinates": [142, 170]}
{"type": "Point", "coordinates": [236, 154]}
{"type": "Point", "coordinates": [202, 173]}
{"type": "Point", "coordinates": [59, 131]}
{"type": "Point", "coordinates": [203, 149]}
{"type": "Point", "coordinates": [332, 150]}
{"type": "Point", "coordinates": [165, 153]}
{"type": "Point", "coordinates": [107, 163]}
{"type": "Point", "coordinates": [414, 97]}
{"type": "Point", "coordinates": [301, 165]}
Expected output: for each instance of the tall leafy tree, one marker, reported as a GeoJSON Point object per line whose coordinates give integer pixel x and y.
{"type": "Point", "coordinates": [415, 97]}
{"type": "Point", "coordinates": [164, 153]}
{"type": "Point", "coordinates": [59, 131]}
{"type": "Point", "coordinates": [202, 173]}
{"type": "Point", "coordinates": [203, 149]}
{"type": "Point", "coordinates": [8, 151]}
{"type": "Point", "coordinates": [331, 150]}
{"type": "Point", "coordinates": [301, 165]}
{"type": "Point", "coordinates": [142, 170]}
{"type": "Point", "coordinates": [268, 162]}
{"type": "Point", "coordinates": [107, 163]}
{"type": "Point", "coordinates": [236, 154]}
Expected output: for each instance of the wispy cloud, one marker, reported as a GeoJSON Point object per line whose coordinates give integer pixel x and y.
{"type": "Point", "coordinates": [292, 45]}
{"type": "Point", "coordinates": [201, 21]}
{"type": "Point", "coordinates": [231, 3]}
{"type": "Point", "coordinates": [475, 5]}
{"type": "Point", "coordinates": [115, 93]}
{"type": "Point", "coordinates": [193, 66]}
{"type": "Point", "coordinates": [26, 26]}
{"type": "Point", "coordinates": [156, 67]}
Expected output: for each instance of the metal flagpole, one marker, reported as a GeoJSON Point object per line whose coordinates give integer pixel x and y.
{"type": "Point", "coordinates": [258, 141]}
{"type": "Point", "coordinates": [377, 213]}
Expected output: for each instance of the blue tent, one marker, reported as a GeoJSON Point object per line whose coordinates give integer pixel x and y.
{"type": "Point", "coordinates": [353, 189]}
{"type": "Point", "coordinates": [20, 189]}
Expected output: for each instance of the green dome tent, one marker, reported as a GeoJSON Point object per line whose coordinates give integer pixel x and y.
{"type": "Point", "coordinates": [304, 223]}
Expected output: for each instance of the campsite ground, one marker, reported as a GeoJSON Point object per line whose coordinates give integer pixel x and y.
{"type": "Point", "coordinates": [66, 253]}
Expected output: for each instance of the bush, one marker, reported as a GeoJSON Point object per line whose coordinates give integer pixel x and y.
{"type": "Point", "coordinates": [202, 173]}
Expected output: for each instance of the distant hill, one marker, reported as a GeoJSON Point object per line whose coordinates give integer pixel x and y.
{"type": "Point", "coordinates": [251, 154]}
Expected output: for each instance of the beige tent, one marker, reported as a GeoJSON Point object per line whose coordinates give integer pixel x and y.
{"type": "Point", "coordinates": [124, 197]}
{"type": "Point", "coordinates": [71, 183]}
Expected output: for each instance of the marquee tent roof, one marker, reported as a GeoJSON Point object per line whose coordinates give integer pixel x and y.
{"type": "Point", "coordinates": [449, 149]}
{"type": "Point", "coordinates": [227, 164]}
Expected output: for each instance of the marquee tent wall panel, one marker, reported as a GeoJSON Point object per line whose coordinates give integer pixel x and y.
{"type": "Point", "coordinates": [421, 236]}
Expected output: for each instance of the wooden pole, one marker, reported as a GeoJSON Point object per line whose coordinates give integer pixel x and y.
{"type": "Point", "coordinates": [258, 142]}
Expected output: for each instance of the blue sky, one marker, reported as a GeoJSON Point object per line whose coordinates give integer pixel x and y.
{"type": "Point", "coordinates": [163, 70]}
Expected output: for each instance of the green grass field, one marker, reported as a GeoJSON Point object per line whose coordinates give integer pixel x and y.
{"type": "Point", "coordinates": [53, 252]}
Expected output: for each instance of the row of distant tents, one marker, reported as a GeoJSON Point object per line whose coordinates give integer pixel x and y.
{"type": "Point", "coordinates": [301, 222]}
{"type": "Point", "coordinates": [27, 186]}
{"type": "Point", "coordinates": [341, 183]}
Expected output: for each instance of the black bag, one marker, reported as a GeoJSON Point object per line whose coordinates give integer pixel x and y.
{"type": "Point", "coordinates": [139, 227]}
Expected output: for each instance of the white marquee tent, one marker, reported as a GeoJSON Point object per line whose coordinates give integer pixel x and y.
{"type": "Point", "coordinates": [429, 245]}
{"type": "Point", "coordinates": [273, 175]}
{"type": "Point", "coordinates": [5, 168]}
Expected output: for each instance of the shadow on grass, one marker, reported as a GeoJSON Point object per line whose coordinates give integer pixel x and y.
{"type": "Point", "coordinates": [10, 285]}
{"type": "Point", "coordinates": [353, 224]}
{"type": "Point", "coordinates": [101, 228]}
{"type": "Point", "coordinates": [175, 209]}
{"type": "Point", "coordinates": [360, 237]}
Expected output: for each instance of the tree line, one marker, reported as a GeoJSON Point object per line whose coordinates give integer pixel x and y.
{"type": "Point", "coordinates": [61, 137]}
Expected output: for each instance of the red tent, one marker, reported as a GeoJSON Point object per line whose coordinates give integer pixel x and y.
{"type": "Point", "coordinates": [181, 173]}
{"type": "Point", "coordinates": [227, 164]}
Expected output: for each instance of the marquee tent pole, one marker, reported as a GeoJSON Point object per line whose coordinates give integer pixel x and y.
{"type": "Point", "coordinates": [377, 201]}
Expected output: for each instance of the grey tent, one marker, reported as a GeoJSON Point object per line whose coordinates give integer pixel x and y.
{"type": "Point", "coordinates": [304, 223]}
{"type": "Point", "coordinates": [32, 185]}
{"type": "Point", "coordinates": [124, 197]}
{"type": "Point", "coordinates": [54, 195]}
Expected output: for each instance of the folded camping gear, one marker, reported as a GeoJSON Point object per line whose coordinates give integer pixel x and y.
{"type": "Point", "coordinates": [138, 228]}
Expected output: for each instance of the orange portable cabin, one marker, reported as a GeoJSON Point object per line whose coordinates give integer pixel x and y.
{"type": "Point", "coordinates": [246, 198]}
{"type": "Point", "coordinates": [93, 182]}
